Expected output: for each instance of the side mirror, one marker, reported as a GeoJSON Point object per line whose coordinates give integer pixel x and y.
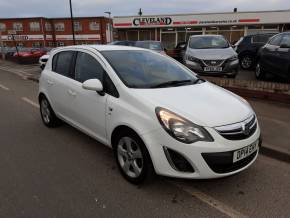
{"type": "Point", "coordinates": [93, 85]}
{"type": "Point", "coordinates": [284, 46]}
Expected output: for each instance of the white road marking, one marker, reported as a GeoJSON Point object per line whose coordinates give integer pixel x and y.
{"type": "Point", "coordinates": [4, 87]}
{"type": "Point", "coordinates": [27, 100]}
{"type": "Point", "coordinates": [220, 206]}
{"type": "Point", "coordinates": [20, 73]}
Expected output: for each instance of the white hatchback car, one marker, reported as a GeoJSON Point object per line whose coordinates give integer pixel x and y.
{"type": "Point", "coordinates": [156, 114]}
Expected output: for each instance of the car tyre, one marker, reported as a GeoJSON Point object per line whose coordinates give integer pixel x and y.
{"type": "Point", "coordinates": [259, 72]}
{"type": "Point", "coordinates": [133, 158]}
{"type": "Point", "coordinates": [47, 114]}
{"type": "Point", "coordinates": [247, 62]}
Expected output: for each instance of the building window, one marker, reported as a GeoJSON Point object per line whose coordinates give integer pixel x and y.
{"type": "Point", "coordinates": [48, 26]}
{"type": "Point", "coordinates": [60, 44]}
{"type": "Point", "coordinates": [94, 25]}
{"type": "Point", "coordinates": [50, 44]}
{"type": "Point", "coordinates": [34, 26]}
{"type": "Point", "coordinates": [19, 44]}
{"type": "Point", "coordinates": [2, 26]}
{"type": "Point", "coordinates": [59, 27]}
{"type": "Point", "coordinates": [18, 26]}
{"type": "Point", "coordinates": [36, 44]}
{"type": "Point", "coordinates": [77, 26]}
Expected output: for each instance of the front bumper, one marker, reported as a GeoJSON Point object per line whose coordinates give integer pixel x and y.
{"type": "Point", "coordinates": [221, 150]}
{"type": "Point", "coordinates": [229, 68]}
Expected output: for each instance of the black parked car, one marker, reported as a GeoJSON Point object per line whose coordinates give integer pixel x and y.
{"type": "Point", "coordinates": [248, 46]}
{"type": "Point", "coordinates": [274, 57]}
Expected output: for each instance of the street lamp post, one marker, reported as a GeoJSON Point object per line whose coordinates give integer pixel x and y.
{"type": "Point", "coordinates": [110, 29]}
{"type": "Point", "coordinates": [72, 22]}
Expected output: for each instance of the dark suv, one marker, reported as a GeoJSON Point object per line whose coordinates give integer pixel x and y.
{"type": "Point", "coordinates": [274, 57]}
{"type": "Point", "coordinates": [248, 46]}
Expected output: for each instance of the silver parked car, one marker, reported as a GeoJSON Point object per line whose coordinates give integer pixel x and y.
{"type": "Point", "coordinates": [211, 55]}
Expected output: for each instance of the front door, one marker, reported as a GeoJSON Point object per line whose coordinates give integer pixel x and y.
{"type": "Point", "coordinates": [283, 57]}
{"type": "Point", "coordinates": [88, 107]}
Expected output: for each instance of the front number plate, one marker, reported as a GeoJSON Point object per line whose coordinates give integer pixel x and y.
{"type": "Point", "coordinates": [213, 69]}
{"type": "Point", "coordinates": [245, 152]}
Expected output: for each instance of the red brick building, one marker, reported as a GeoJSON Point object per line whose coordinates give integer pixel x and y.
{"type": "Point", "coordinates": [51, 32]}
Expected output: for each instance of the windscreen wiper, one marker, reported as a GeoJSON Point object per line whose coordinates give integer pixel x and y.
{"type": "Point", "coordinates": [172, 83]}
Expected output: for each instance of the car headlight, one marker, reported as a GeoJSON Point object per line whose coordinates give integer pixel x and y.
{"type": "Point", "coordinates": [180, 128]}
{"type": "Point", "coordinates": [233, 58]}
{"type": "Point", "coordinates": [193, 59]}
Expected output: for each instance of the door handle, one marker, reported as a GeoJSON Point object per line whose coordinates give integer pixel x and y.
{"type": "Point", "coordinates": [49, 82]}
{"type": "Point", "coordinates": [72, 93]}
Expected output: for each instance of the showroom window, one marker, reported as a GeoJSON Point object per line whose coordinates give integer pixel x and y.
{"type": "Point", "coordinates": [17, 26]}
{"type": "Point", "coordinates": [59, 27]}
{"type": "Point", "coordinates": [2, 26]}
{"type": "Point", "coordinates": [34, 26]}
{"type": "Point", "coordinates": [77, 26]}
{"type": "Point", "coordinates": [48, 26]}
{"type": "Point", "coordinates": [94, 25]}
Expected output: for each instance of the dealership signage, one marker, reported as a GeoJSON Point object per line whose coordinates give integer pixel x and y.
{"type": "Point", "coordinates": [22, 37]}
{"type": "Point", "coordinates": [152, 21]}
{"type": "Point", "coordinates": [270, 17]}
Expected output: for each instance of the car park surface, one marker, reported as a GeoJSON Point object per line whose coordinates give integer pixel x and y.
{"type": "Point", "coordinates": [64, 173]}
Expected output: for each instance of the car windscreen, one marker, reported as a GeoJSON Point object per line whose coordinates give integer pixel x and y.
{"type": "Point", "coordinates": [208, 42]}
{"type": "Point", "coordinates": [149, 45]}
{"type": "Point", "coordinates": [145, 69]}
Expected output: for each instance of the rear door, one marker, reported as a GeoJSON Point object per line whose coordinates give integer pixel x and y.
{"type": "Point", "coordinates": [58, 81]}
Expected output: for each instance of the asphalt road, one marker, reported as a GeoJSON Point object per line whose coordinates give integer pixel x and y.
{"type": "Point", "coordinates": [64, 173]}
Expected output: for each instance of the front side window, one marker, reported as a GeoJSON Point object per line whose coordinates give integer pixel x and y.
{"type": "Point", "coordinates": [276, 40]}
{"type": "Point", "coordinates": [61, 63]}
{"type": "Point", "coordinates": [87, 67]}
{"type": "Point", "coordinates": [208, 42]}
{"type": "Point", "coordinates": [145, 69]}
{"type": "Point", "coordinates": [285, 40]}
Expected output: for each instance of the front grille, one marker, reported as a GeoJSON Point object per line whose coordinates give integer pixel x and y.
{"type": "Point", "coordinates": [222, 162]}
{"type": "Point", "coordinates": [239, 131]}
{"type": "Point", "coordinates": [213, 63]}
{"type": "Point", "coordinates": [177, 161]}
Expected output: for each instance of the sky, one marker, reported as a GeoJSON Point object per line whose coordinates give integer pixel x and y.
{"type": "Point", "coordinates": [60, 8]}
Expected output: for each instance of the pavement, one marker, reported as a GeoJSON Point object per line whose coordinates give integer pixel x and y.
{"type": "Point", "coordinates": [64, 173]}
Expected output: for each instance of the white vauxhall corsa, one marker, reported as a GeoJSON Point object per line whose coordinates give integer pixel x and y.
{"type": "Point", "coordinates": [157, 115]}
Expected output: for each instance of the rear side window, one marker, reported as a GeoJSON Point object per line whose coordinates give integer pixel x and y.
{"type": "Point", "coordinates": [61, 63]}
{"type": "Point", "coordinates": [276, 40]}
{"type": "Point", "coordinates": [87, 67]}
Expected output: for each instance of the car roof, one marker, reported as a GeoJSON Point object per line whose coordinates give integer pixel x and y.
{"type": "Point", "coordinates": [207, 35]}
{"type": "Point", "coordinates": [102, 47]}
